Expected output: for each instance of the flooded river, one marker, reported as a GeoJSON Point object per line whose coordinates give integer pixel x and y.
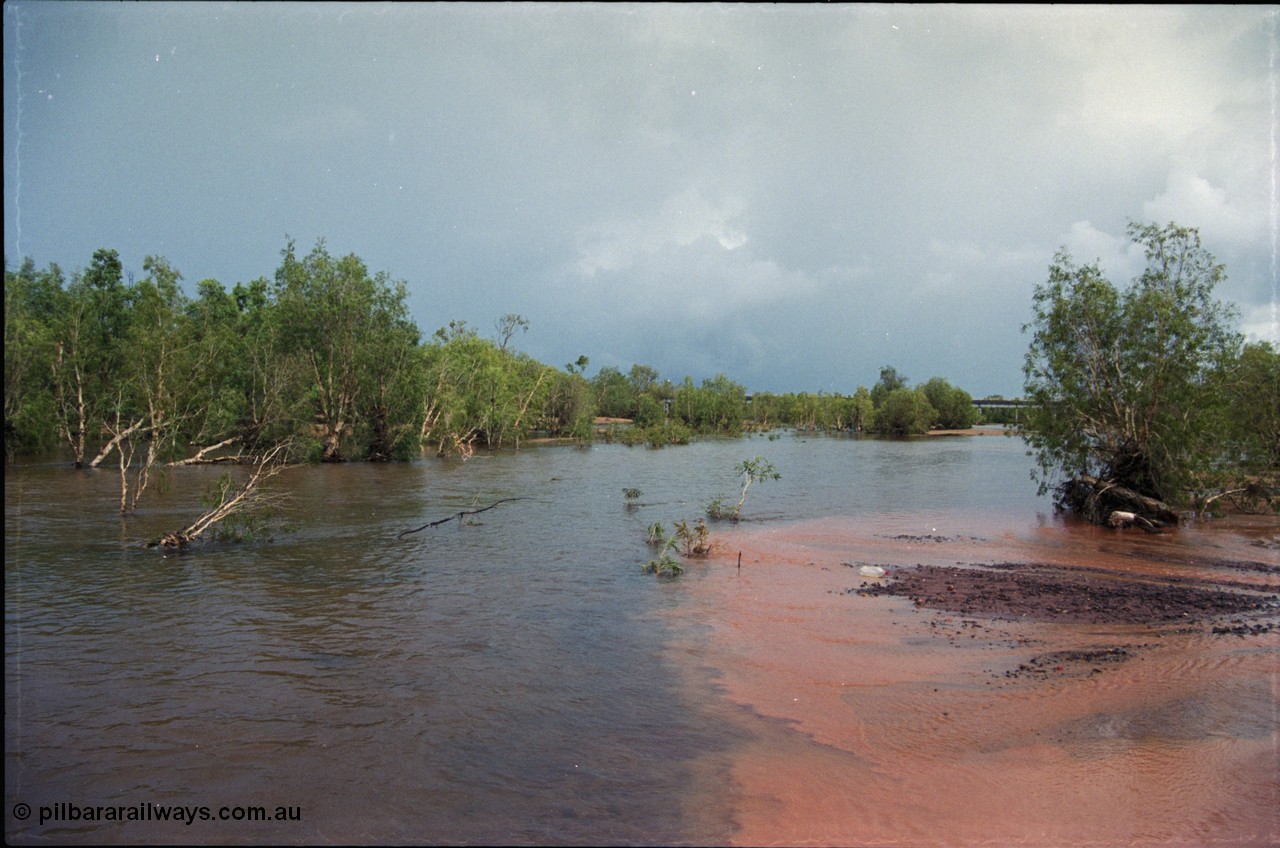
{"type": "Point", "coordinates": [516, 679]}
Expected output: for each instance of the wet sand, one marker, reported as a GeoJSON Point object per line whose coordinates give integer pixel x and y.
{"type": "Point", "coordinates": [936, 716]}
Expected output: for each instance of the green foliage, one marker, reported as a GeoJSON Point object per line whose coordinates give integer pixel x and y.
{"type": "Point", "coordinates": [758, 470]}
{"type": "Point", "coordinates": [1249, 389]}
{"type": "Point", "coordinates": [648, 411]}
{"type": "Point", "coordinates": [890, 381]}
{"type": "Point", "coordinates": [718, 507]}
{"type": "Point", "coordinates": [696, 540]}
{"type": "Point", "coordinates": [31, 306]}
{"type": "Point", "coordinates": [665, 565]}
{"type": "Point", "coordinates": [631, 495]}
{"type": "Point", "coordinates": [862, 409]}
{"type": "Point", "coordinates": [568, 407]}
{"type": "Point", "coordinates": [1120, 380]}
{"type": "Point", "coordinates": [643, 379]}
{"type": "Point", "coordinates": [821, 412]}
{"type": "Point", "coordinates": [323, 353]}
{"type": "Point", "coordinates": [615, 396]}
{"type": "Point", "coordinates": [719, 405]}
{"type": "Point", "coordinates": [657, 435]}
{"type": "Point", "coordinates": [953, 407]}
{"type": "Point", "coordinates": [904, 412]}
{"type": "Point", "coordinates": [256, 522]}
{"type": "Point", "coordinates": [353, 337]}
{"type": "Point", "coordinates": [328, 353]}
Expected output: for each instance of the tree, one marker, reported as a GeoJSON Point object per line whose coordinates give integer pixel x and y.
{"type": "Point", "coordinates": [88, 338]}
{"type": "Point", "coordinates": [904, 412]}
{"type": "Point", "coordinates": [31, 300]}
{"type": "Point", "coordinates": [756, 470]}
{"type": "Point", "coordinates": [506, 327]}
{"type": "Point", "coordinates": [954, 406]}
{"type": "Point", "coordinates": [615, 397]}
{"type": "Point", "coordinates": [890, 381]}
{"type": "Point", "coordinates": [390, 375]}
{"type": "Point", "coordinates": [265, 393]}
{"type": "Point", "coordinates": [1249, 474]}
{"type": "Point", "coordinates": [351, 333]}
{"type": "Point", "coordinates": [158, 391]}
{"type": "Point", "coordinates": [1251, 390]}
{"type": "Point", "coordinates": [568, 406]}
{"type": "Point", "coordinates": [1117, 381]}
{"type": "Point", "coordinates": [861, 410]}
{"type": "Point", "coordinates": [643, 378]}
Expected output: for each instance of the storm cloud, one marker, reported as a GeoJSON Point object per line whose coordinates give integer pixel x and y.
{"type": "Point", "coordinates": [792, 195]}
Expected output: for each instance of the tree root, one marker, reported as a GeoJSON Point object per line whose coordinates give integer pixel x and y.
{"type": "Point", "coordinates": [1107, 502]}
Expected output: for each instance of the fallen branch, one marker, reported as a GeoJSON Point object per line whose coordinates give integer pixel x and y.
{"type": "Point", "coordinates": [117, 437]}
{"type": "Point", "coordinates": [1259, 496]}
{"type": "Point", "coordinates": [199, 458]}
{"type": "Point", "coordinates": [457, 515]}
{"type": "Point", "coordinates": [232, 500]}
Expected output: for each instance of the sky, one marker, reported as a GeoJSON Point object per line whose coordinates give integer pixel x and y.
{"type": "Point", "coordinates": [791, 195]}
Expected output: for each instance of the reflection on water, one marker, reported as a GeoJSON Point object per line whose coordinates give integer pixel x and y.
{"type": "Point", "coordinates": [513, 679]}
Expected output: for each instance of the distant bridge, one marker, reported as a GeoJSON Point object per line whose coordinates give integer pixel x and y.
{"type": "Point", "coordinates": [1000, 403]}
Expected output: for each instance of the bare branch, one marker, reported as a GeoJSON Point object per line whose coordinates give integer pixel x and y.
{"type": "Point", "coordinates": [234, 500]}
{"type": "Point", "coordinates": [199, 458]}
{"type": "Point", "coordinates": [457, 515]}
{"type": "Point", "coordinates": [116, 439]}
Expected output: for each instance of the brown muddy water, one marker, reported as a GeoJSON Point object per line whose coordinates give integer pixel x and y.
{"type": "Point", "coordinates": [518, 680]}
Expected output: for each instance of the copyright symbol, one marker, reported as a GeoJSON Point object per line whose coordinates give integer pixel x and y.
{"type": "Point", "coordinates": [22, 811]}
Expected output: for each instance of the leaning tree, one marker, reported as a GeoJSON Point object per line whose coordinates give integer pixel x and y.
{"type": "Point", "coordinates": [1122, 407]}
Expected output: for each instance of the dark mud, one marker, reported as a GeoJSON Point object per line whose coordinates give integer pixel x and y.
{"type": "Point", "coordinates": [1043, 592]}
{"type": "Point", "coordinates": [1056, 663]}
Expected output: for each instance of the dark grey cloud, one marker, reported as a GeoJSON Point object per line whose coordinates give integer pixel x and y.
{"type": "Point", "coordinates": [793, 195]}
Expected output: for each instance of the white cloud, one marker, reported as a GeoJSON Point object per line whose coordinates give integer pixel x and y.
{"type": "Point", "coordinates": [1120, 259]}
{"type": "Point", "coordinates": [1262, 323]}
{"type": "Point", "coordinates": [874, 193]}
{"type": "Point", "coordinates": [1191, 200]}
{"type": "Point", "coordinates": [955, 252]}
{"type": "Point", "coordinates": [684, 220]}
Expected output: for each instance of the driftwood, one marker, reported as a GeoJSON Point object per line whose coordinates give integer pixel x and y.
{"type": "Point", "coordinates": [1120, 518]}
{"type": "Point", "coordinates": [457, 515]}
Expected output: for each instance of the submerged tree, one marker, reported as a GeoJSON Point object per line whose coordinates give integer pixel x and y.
{"type": "Point", "coordinates": [351, 335]}
{"type": "Point", "coordinates": [244, 503]}
{"type": "Point", "coordinates": [1117, 381]}
{"type": "Point", "coordinates": [756, 470]}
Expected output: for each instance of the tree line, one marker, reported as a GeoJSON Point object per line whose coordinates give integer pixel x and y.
{"type": "Point", "coordinates": [1146, 390]}
{"type": "Point", "coordinates": [326, 354]}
